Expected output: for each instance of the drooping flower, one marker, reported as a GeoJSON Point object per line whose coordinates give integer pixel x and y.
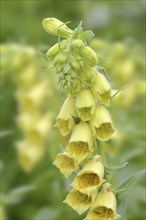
{"type": "Point", "coordinates": [65, 164]}
{"type": "Point", "coordinates": [101, 124]}
{"type": "Point", "coordinates": [90, 177]}
{"type": "Point", "coordinates": [85, 104]}
{"type": "Point", "coordinates": [104, 206]}
{"type": "Point", "coordinates": [64, 120]}
{"type": "Point", "coordinates": [81, 142]}
{"type": "Point", "coordinates": [78, 201]}
{"type": "Point", "coordinates": [101, 89]}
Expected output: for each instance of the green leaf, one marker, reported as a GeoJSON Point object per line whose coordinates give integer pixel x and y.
{"type": "Point", "coordinates": [130, 182]}
{"type": "Point", "coordinates": [76, 119]}
{"type": "Point", "coordinates": [16, 195]}
{"type": "Point", "coordinates": [86, 35]}
{"type": "Point", "coordinates": [114, 167]}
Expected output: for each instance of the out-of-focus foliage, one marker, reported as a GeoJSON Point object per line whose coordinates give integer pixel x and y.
{"type": "Point", "coordinates": [120, 27]}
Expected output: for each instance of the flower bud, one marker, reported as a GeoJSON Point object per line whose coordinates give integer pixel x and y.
{"type": "Point", "coordinates": [87, 73]}
{"type": "Point", "coordinates": [101, 124]}
{"type": "Point", "coordinates": [65, 164]}
{"type": "Point", "coordinates": [90, 56]}
{"type": "Point", "coordinates": [78, 201]}
{"type": "Point", "coordinates": [59, 58]}
{"type": "Point", "coordinates": [77, 44]}
{"type": "Point", "coordinates": [51, 53]}
{"type": "Point", "coordinates": [90, 177]}
{"type": "Point", "coordinates": [29, 155]}
{"type": "Point", "coordinates": [64, 121]}
{"type": "Point", "coordinates": [81, 142]}
{"type": "Point", "coordinates": [85, 104]}
{"type": "Point", "coordinates": [104, 207]}
{"type": "Point", "coordinates": [74, 64]}
{"type": "Point", "coordinates": [101, 89]}
{"type": "Point", "coordinates": [56, 27]}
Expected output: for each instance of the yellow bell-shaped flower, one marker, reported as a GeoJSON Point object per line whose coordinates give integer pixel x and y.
{"type": "Point", "coordinates": [81, 142]}
{"type": "Point", "coordinates": [65, 164]}
{"type": "Point", "coordinates": [78, 201]}
{"type": "Point", "coordinates": [85, 104]}
{"type": "Point", "coordinates": [104, 206]}
{"type": "Point", "coordinates": [64, 121]}
{"type": "Point", "coordinates": [101, 124]}
{"type": "Point", "coordinates": [90, 177]}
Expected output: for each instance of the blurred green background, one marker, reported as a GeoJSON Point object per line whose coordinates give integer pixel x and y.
{"type": "Point", "coordinates": [39, 194]}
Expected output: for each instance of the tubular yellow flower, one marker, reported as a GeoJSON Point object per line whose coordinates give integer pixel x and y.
{"type": "Point", "coordinates": [56, 27]}
{"type": "Point", "coordinates": [90, 177]}
{"type": "Point", "coordinates": [85, 104]}
{"type": "Point", "coordinates": [104, 207]}
{"type": "Point", "coordinates": [65, 164]}
{"type": "Point", "coordinates": [29, 155]}
{"type": "Point", "coordinates": [78, 201]}
{"type": "Point", "coordinates": [101, 89]}
{"type": "Point", "coordinates": [64, 120]}
{"type": "Point", "coordinates": [81, 142]}
{"type": "Point", "coordinates": [101, 124]}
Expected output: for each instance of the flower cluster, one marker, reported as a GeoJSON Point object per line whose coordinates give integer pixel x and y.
{"type": "Point", "coordinates": [33, 118]}
{"type": "Point", "coordinates": [85, 118]}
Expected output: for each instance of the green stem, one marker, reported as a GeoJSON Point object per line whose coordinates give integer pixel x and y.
{"type": "Point", "coordinates": [103, 156]}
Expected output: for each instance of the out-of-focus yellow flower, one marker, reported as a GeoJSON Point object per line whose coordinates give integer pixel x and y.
{"type": "Point", "coordinates": [101, 124]}
{"type": "Point", "coordinates": [27, 77]}
{"type": "Point", "coordinates": [64, 120]}
{"type": "Point", "coordinates": [81, 142]}
{"type": "Point", "coordinates": [78, 201]}
{"type": "Point", "coordinates": [29, 155]}
{"type": "Point", "coordinates": [23, 56]}
{"type": "Point", "coordinates": [56, 27]}
{"type": "Point", "coordinates": [65, 164]}
{"type": "Point", "coordinates": [85, 104]}
{"type": "Point", "coordinates": [26, 121]}
{"type": "Point", "coordinates": [32, 99]}
{"type": "Point", "coordinates": [40, 130]}
{"type": "Point", "coordinates": [101, 89]}
{"type": "Point", "coordinates": [104, 207]}
{"type": "Point", "coordinates": [90, 177]}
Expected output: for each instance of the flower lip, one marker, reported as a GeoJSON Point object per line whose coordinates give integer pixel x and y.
{"type": "Point", "coordinates": [78, 149]}
{"type": "Point", "coordinates": [88, 179]}
{"type": "Point", "coordinates": [78, 201]}
{"type": "Point", "coordinates": [65, 164]}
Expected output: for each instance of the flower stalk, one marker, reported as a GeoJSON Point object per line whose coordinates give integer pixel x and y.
{"type": "Point", "coordinates": [85, 118]}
